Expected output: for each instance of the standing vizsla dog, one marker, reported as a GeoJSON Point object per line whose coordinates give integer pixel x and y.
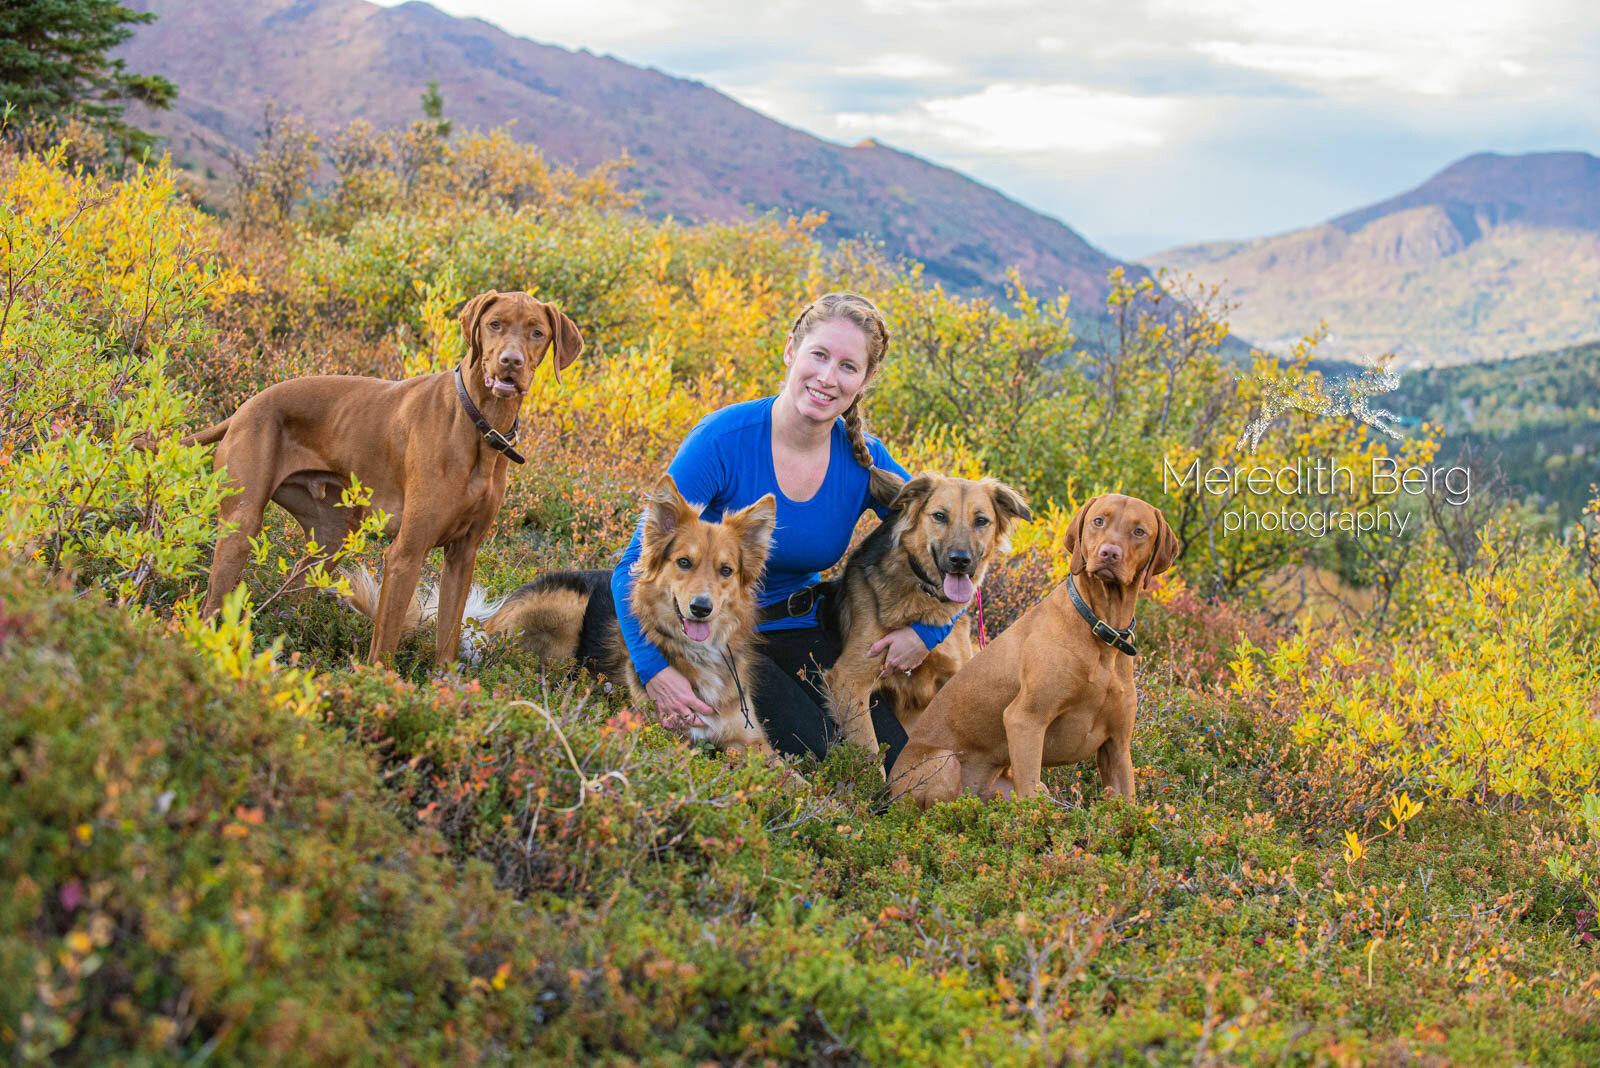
{"type": "Point", "coordinates": [1057, 686]}
{"type": "Point", "coordinates": [434, 450]}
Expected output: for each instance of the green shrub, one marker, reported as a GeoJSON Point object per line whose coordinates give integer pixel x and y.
{"type": "Point", "coordinates": [105, 284]}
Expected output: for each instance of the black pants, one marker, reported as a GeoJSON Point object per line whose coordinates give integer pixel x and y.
{"type": "Point", "coordinates": [789, 700]}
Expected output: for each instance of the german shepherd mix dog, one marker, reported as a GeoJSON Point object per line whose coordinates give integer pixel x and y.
{"type": "Point", "coordinates": [695, 596]}
{"type": "Point", "coordinates": [921, 565]}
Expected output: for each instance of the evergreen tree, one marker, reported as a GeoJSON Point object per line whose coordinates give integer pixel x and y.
{"type": "Point", "coordinates": [433, 109]}
{"type": "Point", "coordinates": [54, 66]}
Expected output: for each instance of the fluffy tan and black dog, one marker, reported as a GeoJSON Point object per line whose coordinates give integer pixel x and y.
{"type": "Point", "coordinates": [1057, 686]}
{"type": "Point", "coordinates": [921, 565]}
{"type": "Point", "coordinates": [695, 596]}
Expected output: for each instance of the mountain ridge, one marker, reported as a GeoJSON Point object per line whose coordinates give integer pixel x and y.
{"type": "Point", "coordinates": [698, 154]}
{"type": "Point", "coordinates": [1494, 256]}
{"type": "Point", "coordinates": [1561, 189]}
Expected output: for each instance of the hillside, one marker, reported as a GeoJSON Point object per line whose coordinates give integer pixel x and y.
{"type": "Point", "coordinates": [699, 155]}
{"type": "Point", "coordinates": [1538, 415]}
{"type": "Point", "coordinates": [1494, 256]}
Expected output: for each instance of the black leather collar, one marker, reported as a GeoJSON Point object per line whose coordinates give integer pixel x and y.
{"type": "Point", "coordinates": [496, 440]}
{"type": "Point", "coordinates": [1120, 640]}
{"type": "Point", "coordinates": [932, 588]}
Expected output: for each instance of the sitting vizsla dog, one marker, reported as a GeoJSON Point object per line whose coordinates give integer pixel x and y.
{"type": "Point", "coordinates": [1057, 686]}
{"type": "Point", "coordinates": [434, 450]}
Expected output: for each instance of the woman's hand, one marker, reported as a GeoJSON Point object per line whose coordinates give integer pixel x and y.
{"type": "Point", "coordinates": [677, 707]}
{"type": "Point", "coordinates": [903, 651]}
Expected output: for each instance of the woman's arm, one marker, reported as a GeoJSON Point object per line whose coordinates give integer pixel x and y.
{"type": "Point", "coordinates": [647, 659]}
{"type": "Point", "coordinates": [699, 471]}
{"type": "Point", "coordinates": [932, 634]}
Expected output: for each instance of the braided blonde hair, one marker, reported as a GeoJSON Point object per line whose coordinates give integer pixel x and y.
{"type": "Point", "coordinates": [858, 310]}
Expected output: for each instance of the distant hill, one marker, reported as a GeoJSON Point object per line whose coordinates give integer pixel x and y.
{"type": "Point", "coordinates": [700, 155]}
{"type": "Point", "coordinates": [1540, 415]}
{"type": "Point", "coordinates": [1492, 257]}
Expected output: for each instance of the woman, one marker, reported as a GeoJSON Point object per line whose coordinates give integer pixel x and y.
{"type": "Point", "coordinates": [809, 447]}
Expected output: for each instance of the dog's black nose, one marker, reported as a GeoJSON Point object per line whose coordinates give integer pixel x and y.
{"type": "Point", "coordinates": [700, 607]}
{"type": "Point", "coordinates": [960, 561]}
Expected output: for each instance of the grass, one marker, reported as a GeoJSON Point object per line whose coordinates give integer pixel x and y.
{"type": "Point", "coordinates": [511, 867]}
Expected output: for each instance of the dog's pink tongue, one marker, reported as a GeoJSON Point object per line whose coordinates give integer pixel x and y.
{"type": "Point", "coordinates": [958, 587]}
{"type": "Point", "coordinates": [697, 630]}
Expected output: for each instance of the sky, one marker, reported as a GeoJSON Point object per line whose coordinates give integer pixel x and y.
{"type": "Point", "coordinates": [1142, 124]}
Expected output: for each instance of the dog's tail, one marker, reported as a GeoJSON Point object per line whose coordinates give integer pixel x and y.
{"type": "Point", "coordinates": [210, 435]}
{"type": "Point", "coordinates": [548, 614]}
{"type": "Point", "coordinates": [149, 443]}
{"type": "Point", "coordinates": [365, 588]}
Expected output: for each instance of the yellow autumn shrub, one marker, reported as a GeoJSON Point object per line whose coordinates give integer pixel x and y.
{"type": "Point", "coordinates": [106, 286]}
{"type": "Point", "coordinates": [1489, 694]}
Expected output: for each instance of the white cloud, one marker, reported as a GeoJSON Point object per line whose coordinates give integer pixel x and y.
{"type": "Point", "coordinates": [1424, 47]}
{"type": "Point", "coordinates": [944, 7]}
{"type": "Point", "coordinates": [598, 25]}
{"type": "Point", "coordinates": [1338, 65]}
{"type": "Point", "coordinates": [1030, 118]}
{"type": "Point", "coordinates": [1275, 113]}
{"type": "Point", "coordinates": [897, 65]}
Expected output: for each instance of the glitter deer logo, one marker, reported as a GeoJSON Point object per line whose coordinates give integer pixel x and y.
{"type": "Point", "coordinates": [1342, 397]}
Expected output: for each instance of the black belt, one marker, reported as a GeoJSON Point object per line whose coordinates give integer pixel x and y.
{"type": "Point", "coordinates": [794, 606]}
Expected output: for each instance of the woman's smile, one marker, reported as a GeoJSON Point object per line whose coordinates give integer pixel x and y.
{"type": "Point", "coordinates": [827, 369]}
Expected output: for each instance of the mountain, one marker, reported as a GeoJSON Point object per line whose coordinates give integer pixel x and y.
{"type": "Point", "coordinates": [1493, 256]}
{"type": "Point", "coordinates": [700, 155]}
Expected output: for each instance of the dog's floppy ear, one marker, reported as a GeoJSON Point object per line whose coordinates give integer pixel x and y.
{"type": "Point", "coordinates": [471, 317]}
{"type": "Point", "coordinates": [1166, 548]}
{"type": "Point", "coordinates": [1010, 509]}
{"type": "Point", "coordinates": [665, 511]}
{"type": "Point", "coordinates": [1007, 502]}
{"type": "Point", "coordinates": [753, 526]}
{"type": "Point", "coordinates": [565, 341]}
{"type": "Point", "coordinates": [1073, 542]}
{"type": "Point", "coordinates": [918, 489]}
{"type": "Point", "coordinates": [884, 485]}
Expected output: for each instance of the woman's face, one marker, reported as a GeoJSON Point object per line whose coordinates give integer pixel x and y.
{"type": "Point", "coordinates": [827, 369]}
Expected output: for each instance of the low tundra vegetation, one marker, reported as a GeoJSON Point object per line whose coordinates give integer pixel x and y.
{"type": "Point", "coordinates": [1372, 840]}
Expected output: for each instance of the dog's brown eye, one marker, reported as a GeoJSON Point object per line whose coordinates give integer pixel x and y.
{"type": "Point", "coordinates": [1138, 532]}
{"type": "Point", "coordinates": [981, 521]}
{"type": "Point", "coordinates": [684, 562]}
{"type": "Point", "coordinates": [1099, 521]}
{"type": "Point", "coordinates": [940, 517]}
{"type": "Point", "coordinates": [726, 571]}
{"type": "Point", "coordinates": [495, 325]}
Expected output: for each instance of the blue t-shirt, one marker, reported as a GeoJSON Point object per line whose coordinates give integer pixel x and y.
{"type": "Point", "coordinates": [726, 464]}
